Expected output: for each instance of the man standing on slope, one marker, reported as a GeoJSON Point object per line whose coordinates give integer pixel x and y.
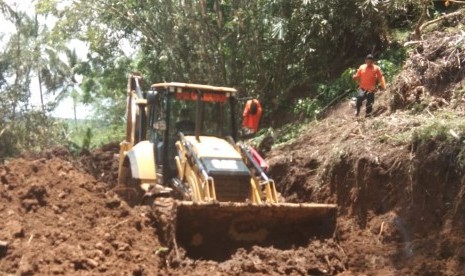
{"type": "Point", "coordinates": [366, 76]}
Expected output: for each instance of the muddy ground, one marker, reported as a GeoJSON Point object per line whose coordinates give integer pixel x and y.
{"type": "Point", "coordinates": [401, 206]}
{"type": "Point", "coordinates": [58, 220]}
{"type": "Point", "coordinates": [397, 215]}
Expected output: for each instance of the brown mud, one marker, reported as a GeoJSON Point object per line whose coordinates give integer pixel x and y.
{"type": "Point", "coordinates": [57, 220]}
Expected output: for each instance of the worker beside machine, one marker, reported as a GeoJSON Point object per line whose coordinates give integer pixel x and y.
{"type": "Point", "coordinates": [251, 117]}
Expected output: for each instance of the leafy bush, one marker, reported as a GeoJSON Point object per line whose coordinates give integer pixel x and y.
{"type": "Point", "coordinates": [391, 61]}
{"type": "Point", "coordinates": [389, 69]}
{"type": "Point", "coordinates": [31, 131]}
{"type": "Point", "coordinates": [288, 132]}
{"type": "Point", "coordinates": [309, 107]}
{"type": "Point", "coordinates": [327, 93]}
{"type": "Point", "coordinates": [89, 134]}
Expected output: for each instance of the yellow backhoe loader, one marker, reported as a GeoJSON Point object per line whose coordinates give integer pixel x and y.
{"type": "Point", "coordinates": [183, 137]}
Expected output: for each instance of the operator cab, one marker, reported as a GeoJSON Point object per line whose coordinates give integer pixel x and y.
{"type": "Point", "coordinates": [191, 110]}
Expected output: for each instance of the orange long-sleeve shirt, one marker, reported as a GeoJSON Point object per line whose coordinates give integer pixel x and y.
{"type": "Point", "coordinates": [252, 120]}
{"type": "Point", "coordinates": [367, 75]}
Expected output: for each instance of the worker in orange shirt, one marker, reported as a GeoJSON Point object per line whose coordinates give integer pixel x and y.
{"type": "Point", "coordinates": [367, 75]}
{"type": "Point", "coordinates": [251, 116]}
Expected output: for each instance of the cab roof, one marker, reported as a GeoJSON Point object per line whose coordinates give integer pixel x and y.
{"type": "Point", "coordinates": [181, 87]}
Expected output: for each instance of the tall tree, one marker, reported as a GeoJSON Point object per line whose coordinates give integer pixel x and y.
{"type": "Point", "coordinates": [261, 47]}
{"type": "Point", "coordinates": [25, 56]}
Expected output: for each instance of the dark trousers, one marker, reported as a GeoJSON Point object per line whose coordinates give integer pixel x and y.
{"type": "Point", "coordinates": [369, 96]}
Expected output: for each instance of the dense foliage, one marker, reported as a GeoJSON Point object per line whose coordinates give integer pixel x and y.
{"type": "Point", "coordinates": [262, 48]}
{"type": "Point", "coordinates": [28, 60]}
{"type": "Point", "coordinates": [296, 55]}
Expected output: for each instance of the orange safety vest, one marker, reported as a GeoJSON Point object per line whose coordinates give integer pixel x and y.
{"type": "Point", "coordinates": [367, 76]}
{"type": "Point", "coordinates": [251, 121]}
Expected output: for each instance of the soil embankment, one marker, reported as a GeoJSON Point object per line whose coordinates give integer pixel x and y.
{"type": "Point", "coordinates": [56, 219]}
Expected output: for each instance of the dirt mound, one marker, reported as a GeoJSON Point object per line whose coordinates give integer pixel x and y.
{"type": "Point", "coordinates": [49, 205]}
{"type": "Point", "coordinates": [318, 258]}
{"type": "Point", "coordinates": [433, 75]}
{"type": "Point", "coordinates": [55, 152]}
{"type": "Point", "coordinates": [58, 220]}
{"type": "Point", "coordinates": [102, 163]}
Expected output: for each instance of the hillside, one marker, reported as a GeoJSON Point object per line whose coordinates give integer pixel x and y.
{"type": "Point", "coordinates": [398, 179]}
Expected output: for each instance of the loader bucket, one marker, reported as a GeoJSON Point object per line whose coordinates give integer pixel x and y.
{"type": "Point", "coordinates": [215, 230]}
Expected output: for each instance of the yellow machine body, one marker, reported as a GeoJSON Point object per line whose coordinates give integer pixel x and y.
{"type": "Point", "coordinates": [228, 200]}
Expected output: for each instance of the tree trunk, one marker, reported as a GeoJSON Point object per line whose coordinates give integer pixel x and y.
{"type": "Point", "coordinates": [17, 71]}
{"type": "Point", "coordinates": [424, 14]}
{"type": "Point", "coordinates": [39, 76]}
{"type": "Point", "coordinates": [221, 44]}
{"type": "Point", "coordinates": [75, 111]}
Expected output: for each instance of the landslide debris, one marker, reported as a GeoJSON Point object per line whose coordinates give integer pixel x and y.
{"type": "Point", "coordinates": [102, 163]}
{"type": "Point", "coordinates": [398, 178]}
{"type": "Point", "coordinates": [58, 220]}
{"type": "Point", "coordinates": [401, 209]}
{"type": "Point", "coordinates": [433, 75]}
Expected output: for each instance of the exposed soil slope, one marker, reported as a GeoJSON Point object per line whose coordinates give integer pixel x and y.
{"type": "Point", "coordinates": [400, 206]}
{"type": "Point", "coordinates": [398, 178]}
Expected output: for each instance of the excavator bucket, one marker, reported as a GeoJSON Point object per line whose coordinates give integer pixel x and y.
{"type": "Point", "coordinates": [216, 230]}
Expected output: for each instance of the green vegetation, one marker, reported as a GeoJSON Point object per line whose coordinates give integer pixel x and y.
{"type": "Point", "coordinates": [290, 132]}
{"type": "Point", "coordinates": [32, 131]}
{"type": "Point", "coordinates": [440, 129]}
{"type": "Point", "coordinates": [297, 55]}
{"type": "Point", "coordinates": [89, 134]}
{"type": "Point", "coordinates": [328, 93]}
{"type": "Point", "coordinates": [445, 126]}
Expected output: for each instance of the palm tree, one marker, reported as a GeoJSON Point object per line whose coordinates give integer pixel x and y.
{"type": "Point", "coordinates": [54, 66]}
{"type": "Point", "coordinates": [7, 11]}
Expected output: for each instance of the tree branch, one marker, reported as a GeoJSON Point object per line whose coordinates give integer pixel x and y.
{"type": "Point", "coordinates": [424, 25]}
{"type": "Point", "coordinates": [3, 130]}
{"type": "Point", "coordinates": [424, 13]}
{"type": "Point", "coordinates": [7, 10]}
